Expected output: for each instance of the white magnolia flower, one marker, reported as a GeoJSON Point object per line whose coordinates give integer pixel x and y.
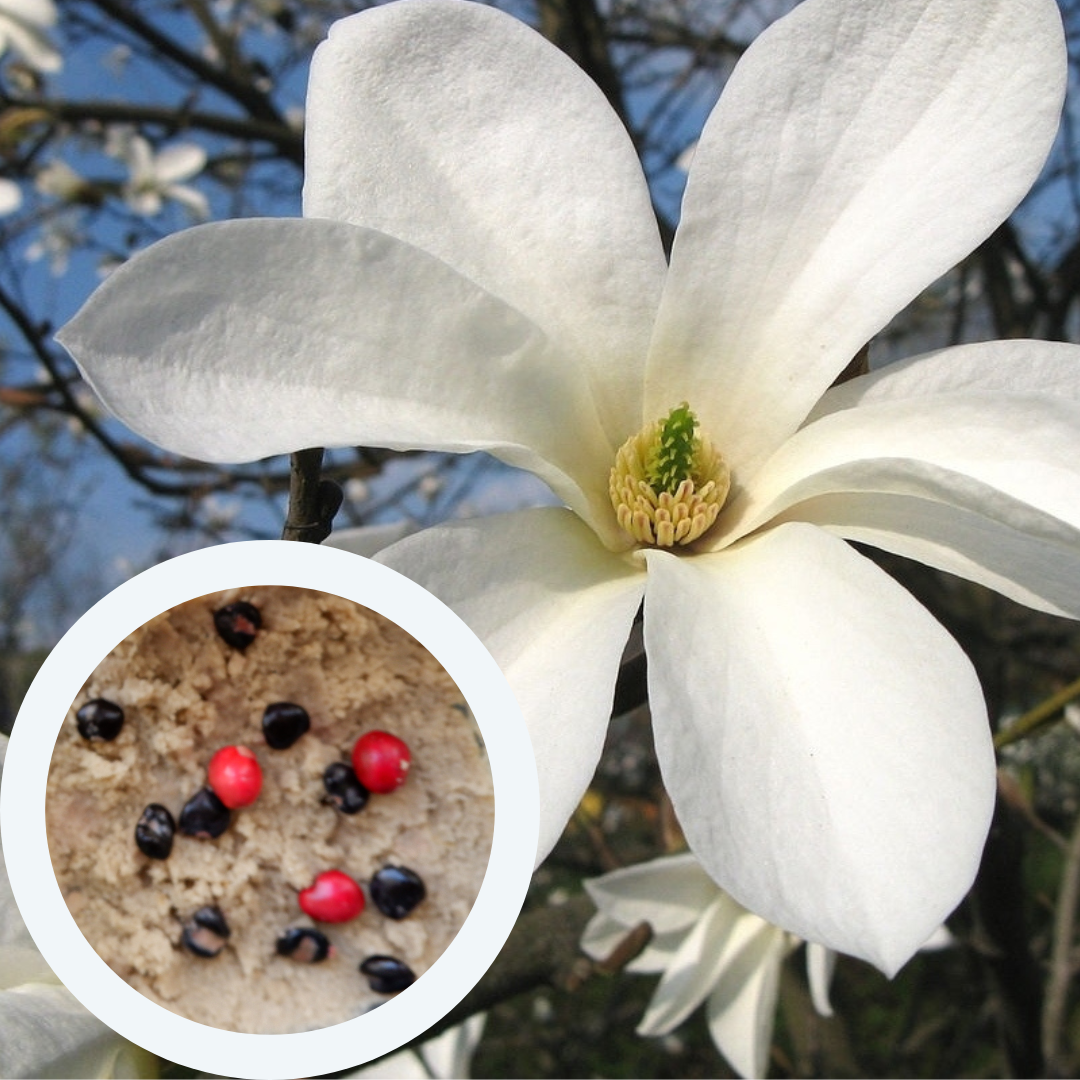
{"type": "Point", "coordinates": [24, 29]}
{"type": "Point", "coordinates": [44, 1031]}
{"type": "Point", "coordinates": [10, 196]}
{"type": "Point", "coordinates": [707, 947]}
{"type": "Point", "coordinates": [479, 269]}
{"type": "Point", "coordinates": [155, 177]}
{"type": "Point", "coordinates": [446, 1057]}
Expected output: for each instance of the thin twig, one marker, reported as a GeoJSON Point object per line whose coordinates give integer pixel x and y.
{"type": "Point", "coordinates": [1044, 712]}
{"type": "Point", "coordinates": [1061, 957]}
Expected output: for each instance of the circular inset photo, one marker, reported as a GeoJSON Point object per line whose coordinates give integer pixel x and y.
{"type": "Point", "coordinates": [270, 809]}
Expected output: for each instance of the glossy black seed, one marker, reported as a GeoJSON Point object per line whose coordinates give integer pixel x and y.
{"type": "Point", "coordinates": [283, 723]}
{"type": "Point", "coordinates": [204, 815]}
{"type": "Point", "coordinates": [154, 832]}
{"type": "Point", "coordinates": [343, 789]}
{"type": "Point", "coordinates": [396, 890]}
{"type": "Point", "coordinates": [100, 719]}
{"type": "Point", "coordinates": [387, 974]}
{"type": "Point", "coordinates": [205, 932]}
{"type": "Point", "coordinates": [304, 945]}
{"type": "Point", "coordinates": [238, 623]}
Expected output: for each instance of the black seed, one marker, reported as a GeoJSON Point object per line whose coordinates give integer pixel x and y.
{"type": "Point", "coordinates": [154, 832]}
{"type": "Point", "coordinates": [204, 815]}
{"type": "Point", "coordinates": [205, 932]}
{"type": "Point", "coordinates": [386, 974]}
{"type": "Point", "coordinates": [396, 890]}
{"type": "Point", "coordinates": [100, 719]}
{"type": "Point", "coordinates": [283, 723]}
{"type": "Point", "coordinates": [343, 789]}
{"type": "Point", "coordinates": [238, 624]}
{"type": "Point", "coordinates": [304, 945]}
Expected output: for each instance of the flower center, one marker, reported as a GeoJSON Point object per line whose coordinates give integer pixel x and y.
{"type": "Point", "coordinates": [668, 484]}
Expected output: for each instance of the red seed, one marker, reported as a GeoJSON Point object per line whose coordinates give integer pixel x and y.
{"type": "Point", "coordinates": [334, 897]}
{"type": "Point", "coordinates": [381, 761]}
{"type": "Point", "coordinates": [235, 776]}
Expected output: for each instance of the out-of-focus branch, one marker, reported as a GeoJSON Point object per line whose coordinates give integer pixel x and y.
{"type": "Point", "coordinates": [288, 141]}
{"type": "Point", "coordinates": [1062, 966]}
{"type": "Point", "coordinates": [243, 92]}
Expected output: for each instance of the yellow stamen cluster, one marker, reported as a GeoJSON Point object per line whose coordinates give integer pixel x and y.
{"type": "Point", "coordinates": [679, 511]}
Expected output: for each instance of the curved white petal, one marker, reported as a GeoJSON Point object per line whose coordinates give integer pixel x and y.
{"type": "Point", "coordinates": [966, 459]}
{"type": "Point", "coordinates": [742, 1008]}
{"type": "Point", "coordinates": [820, 965]}
{"type": "Point", "coordinates": [668, 893]}
{"type": "Point", "coordinates": [191, 199]}
{"type": "Point", "coordinates": [180, 161]}
{"type": "Point", "coordinates": [44, 1031]}
{"type": "Point", "coordinates": [238, 340]}
{"type": "Point", "coordinates": [368, 540]}
{"type": "Point", "coordinates": [823, 739]}
{"type": "Point", "coordinates": [554, 608]}
{"type": "Point", "coordinates": [701, 960]}
{"type": "Point", "coordinates": [30, 43]}
{"type": "Point", "coordinates": [858, 151]}
{"type": "Point", "coordinates": [449, 1055]}
{"type": "Point", "coordinates": [472, 137]}
{"type": "Point", "coordinates": [603, 934]}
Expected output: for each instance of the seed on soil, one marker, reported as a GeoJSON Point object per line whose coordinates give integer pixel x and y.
{"type": "Point", "coordinates": [387, 974]}
{"type": "Point", "coordinates": [304, 945]}
{"type": "Point", "coordinates": [204, 815]}
{"type": "Point", "coordinates": [205, 932]}
{"type": "Point", "coordinates": [235, 776]}
{"type": "Point", "coordinates": [334, 897]}
{"type": "Point", "coordinates": [154, 831]}
{"type": "Point", "coordinates": [381, 761]}
{"type": "Point", "coordinates": [396, 890]}
{"type": "Point", "coordinates": [238, 624]}
{"type": "Point", "coordinates": [283, 723]}
{"type": "Point", "coordinates": [100, 719]}
{"type": "Point", "coordinates": [343, 790]}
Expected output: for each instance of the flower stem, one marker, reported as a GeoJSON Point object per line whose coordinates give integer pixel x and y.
{"type": "Point", "coordinates": [1035, 718]}
{"type": "Point", "coordinates": [312, 502]}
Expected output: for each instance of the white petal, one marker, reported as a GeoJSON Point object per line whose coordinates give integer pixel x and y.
{"type": "Point", "coordinates": [44, 1031]}
{"type": "Point", "coordinates": [695, 969]}
{"type": "Point", "coordinates": [742, 1008]}
{"type": "Point", "coordinates": [404, 1065]}
{"type": "Point", "coordinates": [554, 608]}
{"type": "Point", "coordinates": [31, 44]}
{"type": "Point", "coordinates": [21, 964]}
{"type": "Point", "coordinates": [820, 965]}
{"type": "Point", "coordinates": [967, 459]}
{"type": "Point", "coordinates": [858, 151]}
{"type": "Point", "coordinates": [367, 540]}
{"type": "Point", "coordinates": [669, 893]}
{"type": "Point", "coordinates": [10, 196]}
{"type": "Point", "coordinates": [470, 136]}
{"type": "Point", "coordinates": [449, 1055]}
{"type": "Point", "coordinates": [824, 741]}
{"type": "Point", "coordinates": [241, 339]}
{"type": "Point", "coordinates": [604, 934]}
{"type": "Point", "coordinates": [35, 12]}
{"type": "Point", "coordinates": [180, 161]}
{"type": "Point", "coordinates": [601, 935]}
{"type": "Point", "coordinates": [194, 201]}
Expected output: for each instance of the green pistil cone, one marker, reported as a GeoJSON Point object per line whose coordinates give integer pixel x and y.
{"type": "Point", "coordinates": [671, 460]}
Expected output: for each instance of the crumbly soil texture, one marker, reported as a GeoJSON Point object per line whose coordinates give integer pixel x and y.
{"type": "Point", "coordinates": [185, 693]}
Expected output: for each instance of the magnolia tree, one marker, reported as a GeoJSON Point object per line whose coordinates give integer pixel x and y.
{"type": "Point", "coordinates": [791, 624]}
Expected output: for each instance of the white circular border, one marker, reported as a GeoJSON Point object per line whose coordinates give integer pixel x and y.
{"type": "Point", "coordinates": [399, 1019]}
